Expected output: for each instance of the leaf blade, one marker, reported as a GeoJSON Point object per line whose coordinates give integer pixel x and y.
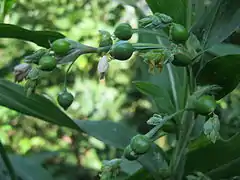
{"type": "Point", "coordinates": [218, 155]}
{"type": "Point", "coordinates": [174, 8]}
{"type": "Point", "coordinates": [28, 170]}
{"type": "Point", "coordinates": [158, 94]}
{"type": "Point", "coordinates": [220, 20]}
{"type": "Point", "coordinates": [222, 71]}
{"type": "Point", "coordinates": [13, 97]}
{"type": "Point", "coordinates": [41, 38]}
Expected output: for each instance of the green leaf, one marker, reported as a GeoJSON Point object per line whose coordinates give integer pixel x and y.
{"type": "Point", "coordinates": [14, 97]}
{"type": "Point", "coordinates": [130, 167]}
{"type": "Point", "coordinates": [212, 156]}
{"type": "Point", "coordinates": [222, 71]}
{"type": "Point", "coordinates": [41, 157]}
{"type": "Point", "coordinates": [4, 157]}
{"type": "Point", "coordinates": [109, 132]}
{"type": "Point", "coordinates": [220, 21]}
{"type": "Point", "coordinates": [200, 7]}
{"type": "Point", "coordinates": [228, 170]}
{"type": "Point", "coordinates": [141, 174]}
{"type": "Point", "coordinates": [224, 49]}
{"type": "Point", "coordinates": [41, 38]}
{"type": "Point", "coordinates": [159, 95]}
{"type": "Point", "coordinates": [29, 170]}
{"type": "Point", "coordinates": [119, 136]}
{"type": "Point", "coordinates": [174, 8]}
{"type": "Point", "coordinates": [154, 161]}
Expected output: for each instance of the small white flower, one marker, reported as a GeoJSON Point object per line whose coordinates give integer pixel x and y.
{"type": "Point", "coordinates": [103, 66]}
{"type": "Point", "coordinates": [21, 71]}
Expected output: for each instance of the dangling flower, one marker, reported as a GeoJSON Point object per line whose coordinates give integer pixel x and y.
{"type": "Point", "coordinates": [21, 71]}
{"type": "Point", "coordinates": [103, 66]}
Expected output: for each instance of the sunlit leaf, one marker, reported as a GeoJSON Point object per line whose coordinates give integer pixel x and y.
{"type": "Point", "coordinates": [41, 38]}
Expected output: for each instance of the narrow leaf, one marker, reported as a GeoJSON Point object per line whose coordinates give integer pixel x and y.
{"type": "Point", "coordinates": [29, 170]}
{"type": "Point", "coordinates": [224, 49]}
{"type": "Point", "coordinates": [158, 94]}
{"type": "Point", "coordinates": [14, 97]}
{"type": "Point", "coordinates": [41, 38]}
{"type": "Point", "coordinates": [109, 132]}
{"type": "Point", "coordinates": [220, 21]}
{"type": "Point", "coordinates": [222, 71]}
{"type": "Point", "coordinates": [7, 163]}
{"type": "Point", "coordinates": [216, 155]}
{"type": "Point", "coordinates": [141, 174]}
{"type": "Point", "coordinates": [174, 8]}
{"type": "Point", "coordinates": [119, 136]}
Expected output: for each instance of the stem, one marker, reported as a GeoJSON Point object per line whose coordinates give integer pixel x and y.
{"type": "Point", "coordinates": [187, 125]}
{"type": "Point", "coordinates": [137, 46]}
{"type": "Point", "coordinates": [150, 32]}
{"type": "Point", "coordinates": [172, 80]}
{"type": "Point", "coordinates": [154, 130]}
{"type": "Point", "coordinates": [187, 121]}
{"type": "Point", "coordinates": [65, 78]}
{"type": "Point", "coordinates": [103, 49]}
{"type": "Point", "coordinates": [145, 46]}
{"type": "Point", "coordinates": [7, 162]}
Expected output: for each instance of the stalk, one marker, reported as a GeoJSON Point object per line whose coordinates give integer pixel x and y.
{"type": "Point", "coordinates": [187, 121]}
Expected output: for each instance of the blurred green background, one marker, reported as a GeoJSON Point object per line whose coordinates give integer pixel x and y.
{"type": "Point", "coordinates": [78, 156]}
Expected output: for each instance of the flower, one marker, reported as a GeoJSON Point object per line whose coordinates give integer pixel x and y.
{"type": "Point", "coordinates": [103, 66]}
{"type": "Point", "coordinates": [21, 71]}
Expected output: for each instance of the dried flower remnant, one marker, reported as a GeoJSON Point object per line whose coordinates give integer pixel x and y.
{"type": "Point", "coordinates": [21, 71]}
{"type": "Point", "coordinates": [103, 66]}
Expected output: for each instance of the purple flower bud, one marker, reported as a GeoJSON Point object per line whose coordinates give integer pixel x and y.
{"type": "Point", "coordinates": [21, 71]}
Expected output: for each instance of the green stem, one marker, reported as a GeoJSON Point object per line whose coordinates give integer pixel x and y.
{"type": "Point", "coordinates": [89, 49]}
{"type": "Point", "coordinates": [154, 130]}
{"type": "Point", "coordinates": [173, 86]}
{"type": "Point", "coordinates": [103, 49]}
{"type": "Point", "coordinates": [186, 126]}
{"type": "Point", "coordinates": [146, 46]}
{"type": "Point", "coordinates": [7, 162]}
{"type": "Point", "coordinates": [141, 30]}
{"type": "Point", "coordinates": [65, 78]}
{"type": "Point", "coordinates": [137, 46]}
